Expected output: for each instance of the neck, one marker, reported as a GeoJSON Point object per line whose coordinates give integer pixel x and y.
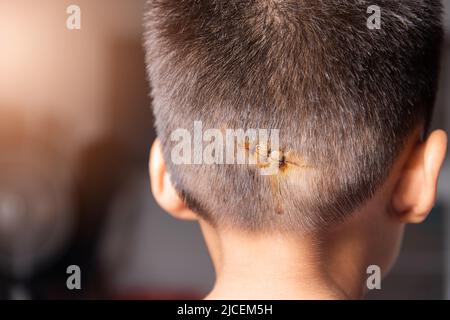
{"type": "Point", "coordinates": [276, 267]}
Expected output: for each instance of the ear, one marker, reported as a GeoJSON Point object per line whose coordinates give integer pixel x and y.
{"type": "Point", "coordinates": [415, 193]}
{"type": "Point", "coordinates": [162, 188]}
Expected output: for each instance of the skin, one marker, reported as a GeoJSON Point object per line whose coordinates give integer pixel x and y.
{"type": "Point", "coordinates": [331, 264]}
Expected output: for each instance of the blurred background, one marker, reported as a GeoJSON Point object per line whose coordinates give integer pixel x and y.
{"type": "Point", "coordinates": [75, 132]}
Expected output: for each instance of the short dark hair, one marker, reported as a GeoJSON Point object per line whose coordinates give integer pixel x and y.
{"type": "Point", "coordinates": [345, 98]}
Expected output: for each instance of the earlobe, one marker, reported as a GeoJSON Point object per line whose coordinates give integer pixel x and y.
{"type": "Point", "coordinates": [162, 188]}
{"type": "Point", "coordinates": [415, 194]}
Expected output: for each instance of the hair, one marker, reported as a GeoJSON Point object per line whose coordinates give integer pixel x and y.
{"type": "Point", "coordinates": [345, 98]}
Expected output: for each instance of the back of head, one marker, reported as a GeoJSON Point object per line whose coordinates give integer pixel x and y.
{"type": "Point", "coordinates": [344, 97]}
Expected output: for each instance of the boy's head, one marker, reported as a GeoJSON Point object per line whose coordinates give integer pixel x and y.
{"type": "Point", "coordinates": [353, 105]}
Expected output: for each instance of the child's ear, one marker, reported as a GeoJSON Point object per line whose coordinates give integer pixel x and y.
{"type": "Point", "coordinates": [415, 193]}
{"type": "Point", "coordinates": [162, 187]}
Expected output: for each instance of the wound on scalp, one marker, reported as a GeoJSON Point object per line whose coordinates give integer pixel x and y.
{"type": "Point", "coordinates": [263, 157]}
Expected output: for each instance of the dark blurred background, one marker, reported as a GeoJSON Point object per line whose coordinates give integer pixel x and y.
{"type": "Point", "coordinates": [75, 132]}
